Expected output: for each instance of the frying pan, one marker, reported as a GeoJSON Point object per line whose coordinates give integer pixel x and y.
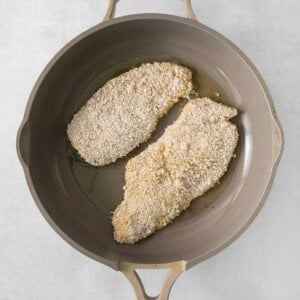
{"type": "Point", "coordinates": [212, 222]}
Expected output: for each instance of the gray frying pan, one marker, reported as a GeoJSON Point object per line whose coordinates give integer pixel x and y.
{"type": "Point", "coordinates": [77, 200]}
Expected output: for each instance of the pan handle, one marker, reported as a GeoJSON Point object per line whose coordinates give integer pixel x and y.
{"type": "Point", "coordinates": [113, 3]}
{"type": "Point", "coordinates": [278, 140]}
{"type": "Point", "coordinates": [23, 143]}
{"type": "Point", "coordinates": [128, 269]}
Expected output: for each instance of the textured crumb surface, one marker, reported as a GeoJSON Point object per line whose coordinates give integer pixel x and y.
{"type": "Point", "coordinates": [124, 112]}
{"type": "Point", "coordinates": [189, 158]}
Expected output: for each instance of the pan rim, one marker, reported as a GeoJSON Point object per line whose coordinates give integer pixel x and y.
{"type": "Point", "coordinates": [164, 17]}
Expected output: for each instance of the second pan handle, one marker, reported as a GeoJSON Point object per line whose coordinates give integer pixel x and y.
{"type": "Point", "coordinates": [112, 7]}
{"type": "Point", "coordinates": [128, 269]}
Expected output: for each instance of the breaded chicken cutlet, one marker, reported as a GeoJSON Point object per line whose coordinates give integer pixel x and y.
{"type": "Point", "coordinates": [186, 161]}
{"type": "Point", "coordinates": [124, 112]}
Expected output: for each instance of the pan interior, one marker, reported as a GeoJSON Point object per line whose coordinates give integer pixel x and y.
{"type": "Point", "coordinates": [80, 198]}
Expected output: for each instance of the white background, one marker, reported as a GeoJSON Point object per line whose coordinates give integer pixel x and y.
{"type": "Point", "coordinates": [35, 263]}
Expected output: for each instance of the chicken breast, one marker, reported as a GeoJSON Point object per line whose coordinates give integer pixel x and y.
{"type": "Point", "coordinates": [124, 112]}
{"type": "Point", "coordinates": [187, 160]}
